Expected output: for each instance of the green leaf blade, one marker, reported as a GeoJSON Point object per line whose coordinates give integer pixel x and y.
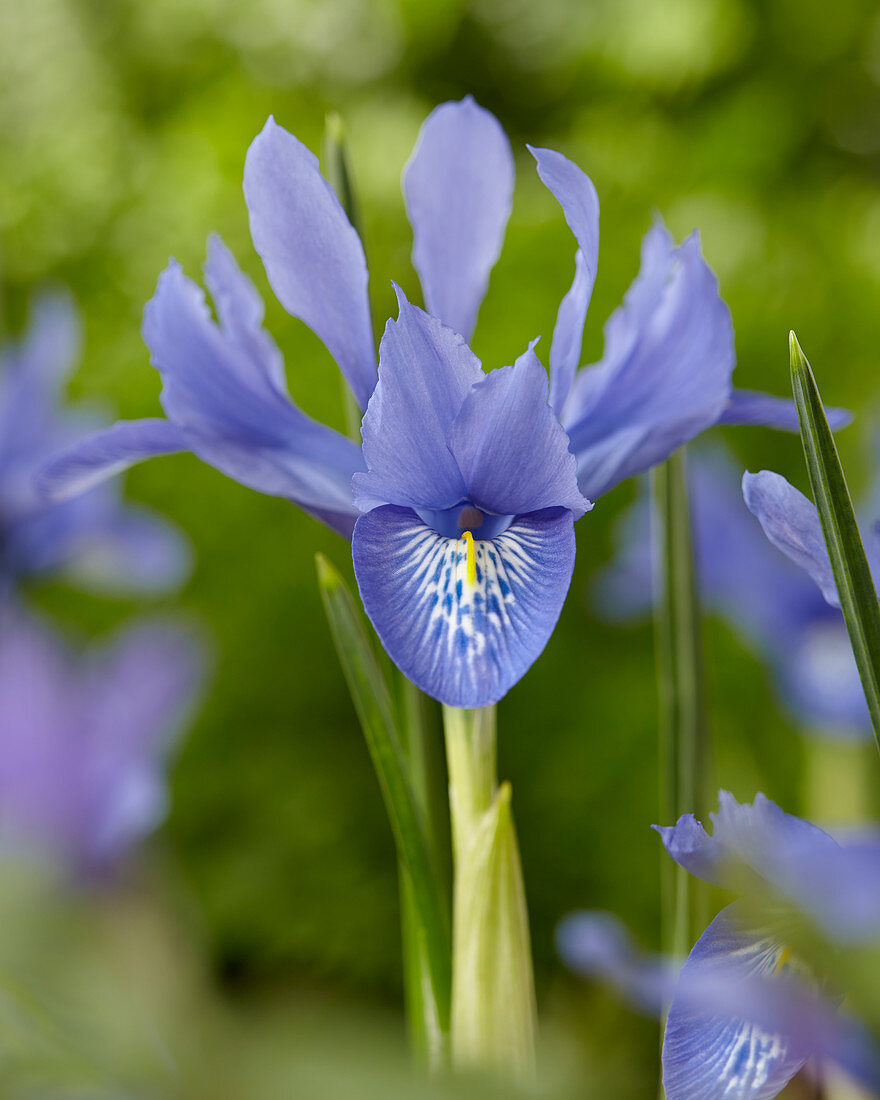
{"type": "Point", "coordinates": [852, 574]}
{"type": "Point", "coordinates": [375, 710]}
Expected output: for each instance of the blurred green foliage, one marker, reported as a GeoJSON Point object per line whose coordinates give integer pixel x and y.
{"type": "Point", "coordinates": [123, 129]}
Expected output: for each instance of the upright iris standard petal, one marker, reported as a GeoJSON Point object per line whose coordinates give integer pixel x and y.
{"type": "Point", "coordinates": [240, 311]}
{"type": "Point", "coordinates": [718, 1056]}
{"type": "Point", "coordinates": [458, 187]}
{"type": "Point", "coordinates": [791, 523]}
{"type": "Point", "coordinates": [463, 631]}
{"type": "Point", "coordinates": [568, 333]}
{"type": "Point", "coordinates": [577, 196]}
{"type": "Point", "coordinates": [665, 375]}
{"type": "Point", "coordinates": [312, 254]}
{"type": "Point", "coordinates": [425, 371]}
{"type": "Point", "coordinates": [511, 449]}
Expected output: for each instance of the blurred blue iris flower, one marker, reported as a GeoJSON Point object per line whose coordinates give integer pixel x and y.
{"type": "Point", "coordinates": [774, 605]}
{"type": "Point", "coordinates": [94, 538]}
{"type": "Point", "coordinates": [460, 503]}
{"type": "Point", "coordinates": [85, 738]}
{"type": "Point", "coordinates": [743, 1016]}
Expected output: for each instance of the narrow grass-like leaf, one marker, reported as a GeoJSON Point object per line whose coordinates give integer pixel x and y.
{"type": "Point", "coordinates": [852, 575]}
{"type": "Point", "coordinates": [424, 888]}
{"type": "Point", "coordinates": [680, 688]}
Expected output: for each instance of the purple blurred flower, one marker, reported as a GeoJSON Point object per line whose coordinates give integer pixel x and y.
{"type": "Point", "coordinates": [85, 740]}
{"type": "Point", "coordinates": [94, 537]}
{"type": "Point", "coordinates": [774, 604]}
{"type": "Point", "coordinates": [447, 449]}
{"type": "Point", "coordinates": [741, 1021]}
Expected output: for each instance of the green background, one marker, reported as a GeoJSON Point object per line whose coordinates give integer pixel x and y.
{"type": "Point", "coordinates": [123, 130]}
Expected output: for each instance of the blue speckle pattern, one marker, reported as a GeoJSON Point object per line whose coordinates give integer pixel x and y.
{"type": "Point", "coordinates": [464, 644]}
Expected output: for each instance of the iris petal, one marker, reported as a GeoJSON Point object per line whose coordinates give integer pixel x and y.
{"type": "Point", "coordinates": [665, 374]}
{"type": "Point", "coordinates": [312, 253]}
{"type": "Point", "coordinates": [510, 447]}
{"type": "Point", "coordinates": [108, 452]}
{"type": "Point", "coordinates": [425, 371]}
{"type": "Point", "coordinates": [791, 523]}
{"type": "Point", "coordinates": [754, 407]}
{"type": "Point", "coordinates": [749, 840]}
{"type": "Point", "coordinates": [220, 386]}
{"type": "Point", "coordinates": [465, 645]}
{"type": "Point", "coordinates": [577, 196]}
{"type": "Point", "coordinates": [458, 187]}
{"type": "Point", "coordinates": [565, 351]}
{"type": "Point", "coordinates": [710, 1056]}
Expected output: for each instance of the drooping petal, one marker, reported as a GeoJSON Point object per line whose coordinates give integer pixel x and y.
{"type": "Point", "coordinates": [464, 644]}
{"type": "Point", "coordinates": [425, 371]}
{"type": "Point", "coordinates": [107, 453]}
{"type": "Point", "coordinates": [722, 1056]}
{"type": "Point", "coordinates": [510, 447]}
{"type": "Point", "coordinates": [226, 399]}
{"type": "Point", "coordinates": [665, 375]}
{"type": "Point", "coordinates": [312, 253]}
{"type": "Point", "coordinates": [791, 523]}
{"type": "Point", "coordinates": [458, 187]}
{"type": "Point", "coordinates": [577, 196]}
{"type": "Point", "coordinates": [753, 407]}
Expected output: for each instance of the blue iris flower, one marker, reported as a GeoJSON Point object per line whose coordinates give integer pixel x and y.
{"type": "Point", "coordinates": [460, 504]}
{"type": "Point", "coordinates": [773, 604]}
{"type": "Point", "coordinates": [85, 738]}
{"type": "Point", "coordinates": [93, 538]}
{"type": "Point", "coordinates": [743, 1018]}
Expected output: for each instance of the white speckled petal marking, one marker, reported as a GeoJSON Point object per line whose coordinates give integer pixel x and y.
{"type": "Point", "coordinates": [716, 1057]}
{"type": "Point", "coordinates": [464, 643]}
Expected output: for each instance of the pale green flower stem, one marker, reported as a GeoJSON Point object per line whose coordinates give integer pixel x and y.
{"type": "Point", "coordinates": [493, 996]}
